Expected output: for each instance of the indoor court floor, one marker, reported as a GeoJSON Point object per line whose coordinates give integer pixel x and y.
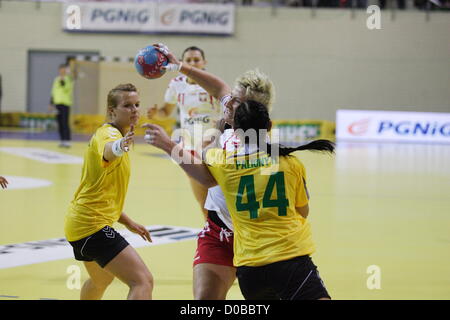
{"type": "Point", "coordinates": [380, 216]}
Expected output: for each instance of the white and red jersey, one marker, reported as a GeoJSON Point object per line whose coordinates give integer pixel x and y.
{"type": "Point", "coordinates": [197, 107]}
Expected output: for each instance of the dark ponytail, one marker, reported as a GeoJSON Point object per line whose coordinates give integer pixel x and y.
{"type": "Point", "coordinates": [320, 145]}
{"type": "Point", "coordinates": [254, 115]}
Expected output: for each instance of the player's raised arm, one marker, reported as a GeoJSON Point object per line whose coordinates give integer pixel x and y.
{"type": "Point", "coordinates": [211, 83]}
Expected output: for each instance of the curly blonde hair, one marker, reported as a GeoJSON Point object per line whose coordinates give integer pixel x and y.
{"type": "Point", "coordinates": [258, 87]}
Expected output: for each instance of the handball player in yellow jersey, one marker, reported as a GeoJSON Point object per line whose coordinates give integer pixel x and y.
{"type": "Point", "coordinates": [268, 201]}
{"type": "Point", "coordinates": [99, 201]}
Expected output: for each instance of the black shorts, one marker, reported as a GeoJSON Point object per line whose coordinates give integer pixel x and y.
{"type": "Point", "coordinates": [101, 247]}
{"type": "Point", "coordinates": [293, 279]}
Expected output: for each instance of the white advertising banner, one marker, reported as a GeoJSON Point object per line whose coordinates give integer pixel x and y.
{"type": "Point", "coordinates": [149, 17]}
{"type": "Point", "coordinates": [196, 18]}
{"type": "Point", "coordinates": [362, 125]}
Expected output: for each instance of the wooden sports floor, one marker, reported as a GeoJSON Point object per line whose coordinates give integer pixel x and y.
{"type": "Point", "coordinates": [380, 218]}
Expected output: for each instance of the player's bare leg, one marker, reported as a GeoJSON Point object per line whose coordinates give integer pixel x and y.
{"type": "Point", "coordinates": [94, 287]}
{"type": "Point", "coordinates": [200, 193]}
{"type": "Point", "coordinates": [129, 267]}
{"type": "Point", "coordinates": [212, 281]}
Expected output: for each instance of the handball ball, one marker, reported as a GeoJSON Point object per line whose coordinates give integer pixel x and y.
{"type": "Point", "coordinates": [148, 62]}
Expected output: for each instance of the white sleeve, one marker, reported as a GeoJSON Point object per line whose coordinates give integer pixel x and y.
{"type": "Point", "coordinates": [171, 94]}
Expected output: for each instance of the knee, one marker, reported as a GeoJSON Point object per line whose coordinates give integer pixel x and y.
{"type": "Point", "coordinates": [143, 280]}
{"type": "Point", "coordinates": [209, 293]}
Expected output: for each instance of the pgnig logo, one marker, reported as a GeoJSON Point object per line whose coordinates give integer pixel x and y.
{"type": "Point", "coordinates": [415, 128]}
{"type": "Point", "coordinates": [402, 128]}
{"type": "Point", "coordinates": [359, 128]}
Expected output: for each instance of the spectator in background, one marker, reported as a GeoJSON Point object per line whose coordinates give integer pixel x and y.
{"type": "Point", "coordinates": [432, 4]}
{"type": "Point", "coordinates": [401, 4]}
{"type": "Point", "coordinates": [62, 100]}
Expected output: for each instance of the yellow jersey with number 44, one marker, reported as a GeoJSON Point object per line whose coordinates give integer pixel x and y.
{"type": "Point", "coordinates": [261, 195]}
{"type": "Point", "coordinates": [99, 200]}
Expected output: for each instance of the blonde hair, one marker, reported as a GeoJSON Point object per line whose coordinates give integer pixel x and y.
{"type": "Point", "coordinates": [258, 87]}
{"type": "Point", "coordinates": [115, 94]}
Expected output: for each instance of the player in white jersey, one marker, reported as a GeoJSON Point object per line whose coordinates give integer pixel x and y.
{"type": "Point", "coordinates": [214, 272]}
{"type": "Point", "coordinates": [198, 111]}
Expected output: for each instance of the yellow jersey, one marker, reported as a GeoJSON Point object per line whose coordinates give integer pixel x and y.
{"type": "Point", "coordinates": [99, 200]}
{"type": "Point", "coordinates": [262, 195]}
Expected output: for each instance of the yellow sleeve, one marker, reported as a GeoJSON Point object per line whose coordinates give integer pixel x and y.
{"type": "Point", "coordinates": [302, 196]}
{"type": "Point", "coordinates": [104, 135]}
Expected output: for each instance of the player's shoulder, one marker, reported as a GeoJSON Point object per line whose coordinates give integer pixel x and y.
{"type": "Point", "coordinates": [294, 163]}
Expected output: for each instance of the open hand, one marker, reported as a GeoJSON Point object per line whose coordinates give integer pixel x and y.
{"type": "Point", "coordinates": [156, 136]}
{"type": "Point", "coordinates": [174, 64]}
{"type": "Point", "coordinates": [140, 230]}
{"type": "Point", "coordinates": [3, 182]}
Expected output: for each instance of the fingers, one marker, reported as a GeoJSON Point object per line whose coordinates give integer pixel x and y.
{"type": "Point", "coordinates": [149, 138]}
{"type": "Point", "coordinates": [172, 59]}
{"type": "Point", "coordinates": [144, 233]}
{"type": "Point", "coordinates": [162, 48]}
{"type": "Point", "coordinates": [3, 182]}
{"type": "Point", "coordinates": [128, 139]}
{"type": "Point", "coordinates": [147, 235]}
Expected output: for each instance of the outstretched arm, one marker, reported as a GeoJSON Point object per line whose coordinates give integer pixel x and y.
{"type": "Point", "coordinates": [192, 165]}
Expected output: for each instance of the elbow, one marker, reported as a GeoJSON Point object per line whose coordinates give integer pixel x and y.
{"type": "Point", "coordinates": [303, 211]}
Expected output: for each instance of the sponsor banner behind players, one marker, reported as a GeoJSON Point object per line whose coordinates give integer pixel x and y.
{"type": "Point", "coordinates": [150, 17]}
{"type": "Point", "coordinates": [299, 131]}
{"type": "Point", "coordinates": [290, 131]}
{"type": "Point", "coordinates": [395, 126]}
